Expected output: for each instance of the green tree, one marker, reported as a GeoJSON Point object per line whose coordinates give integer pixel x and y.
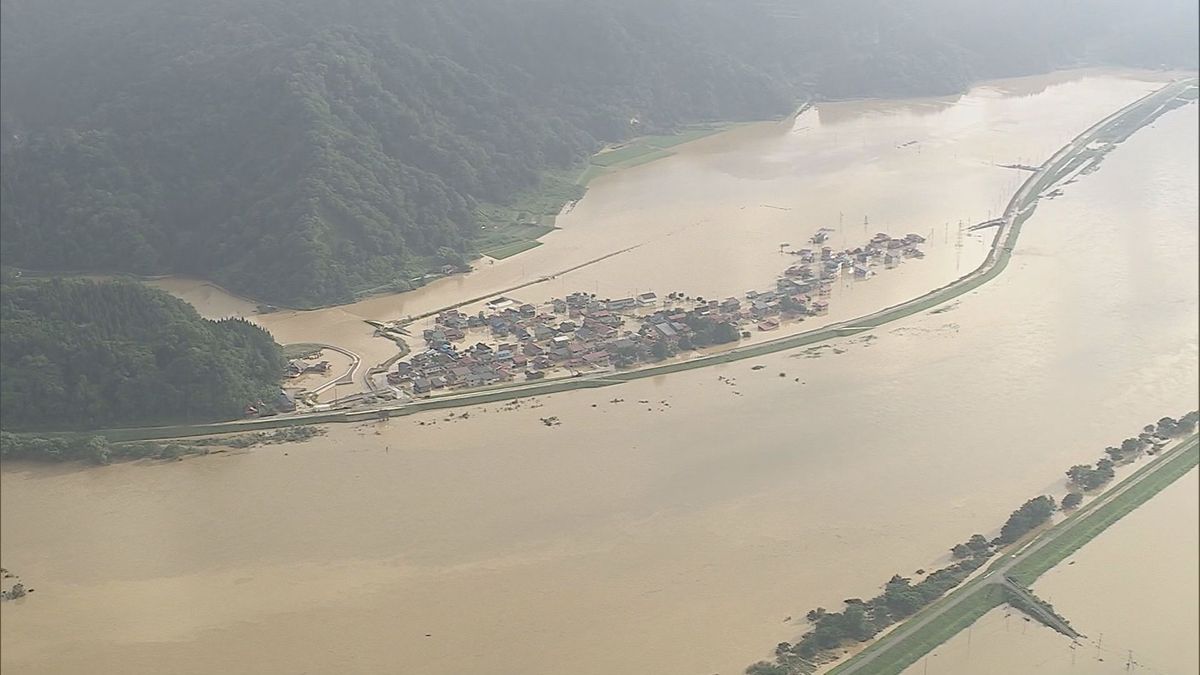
{"type": "Point", "coordinates": [724, 332]}
{"type": "Point", "coordinates": [79, 354]}
{"type": "Point", "coordinates": [1032, 513]}
{"type": "Point", "coordinates": [660, 350]}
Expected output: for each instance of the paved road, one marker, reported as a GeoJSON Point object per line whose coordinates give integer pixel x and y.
{"type": "Point", "coordinates": [346, 377]}
{"type": "Point", "coordinates": [998, 571]}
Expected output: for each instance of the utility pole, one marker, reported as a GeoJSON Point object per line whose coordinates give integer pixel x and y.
{"type": "Point", "coordinates": [958, 244]}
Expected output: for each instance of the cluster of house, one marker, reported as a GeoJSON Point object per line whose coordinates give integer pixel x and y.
{"type": "Point", "coordinates": [829, 264]}
{"type": "Point", "coordinates": [284, 401]}
{"type": "Point", "coordinates": [581, 332]}
{"type": "Point", "coordinates": [576, 332]}
{"type": "Point", "coordinates": [296, 368]}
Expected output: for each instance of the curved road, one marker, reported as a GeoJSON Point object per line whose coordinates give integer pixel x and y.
{"type": "Point", "coordinates": [348, 376]}
{"type": "Point", "coordinates": [1017, 210]}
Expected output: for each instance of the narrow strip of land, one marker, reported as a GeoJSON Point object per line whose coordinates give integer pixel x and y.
{"type": "Point", "coordinates": [960, 608]}
{"type": "Point", "coordinates": [346, 377]}
{"type": "Point", "coordinates": [1061, 165]}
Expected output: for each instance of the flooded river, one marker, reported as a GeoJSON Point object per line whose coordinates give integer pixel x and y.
{"type": "Point", "coordinates": [710, 220]}
{"type": "Point", "coordinates": [1132, 591]}
{"type": "Point", "coordinates": [673, 525]}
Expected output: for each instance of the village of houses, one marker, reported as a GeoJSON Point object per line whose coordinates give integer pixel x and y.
{"type": "Point", "coordinates": [509, 340]}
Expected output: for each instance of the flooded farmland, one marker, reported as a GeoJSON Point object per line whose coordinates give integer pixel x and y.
{"type": "Point", "coordinates": [679, 524]}
{"type": "Point", "coordinates": [710, 220]}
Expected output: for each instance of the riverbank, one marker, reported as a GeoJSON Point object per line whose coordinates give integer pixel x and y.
{"type": "Point", "coordinates": [1060, 167]}
{"type": "Point", "coordinates": [861, 621]}
{"type": "Point", "coordinates": [894, 652]}
{"type": "Point", "coordinates": [600, 540]}
{"type": "Point", "coordinates": [1096, 589]}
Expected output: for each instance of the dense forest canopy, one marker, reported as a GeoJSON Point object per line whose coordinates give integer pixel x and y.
{"type": "Point", "coordinates": [83, 354]}
{"type": "Point", "coordinates": [302, 150]}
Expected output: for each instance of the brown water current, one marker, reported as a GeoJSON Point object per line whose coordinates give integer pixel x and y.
{"type": "Point", "coordinates": [675, 531]}
{"type": "Point", "coordinates": [710, 219]}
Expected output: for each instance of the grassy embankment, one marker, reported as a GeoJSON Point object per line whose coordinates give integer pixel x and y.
{"type": "Point", "coordinates": [515, 227]}
{"type": "Point", "coordinates": [300, 350]}
{"type": "Point", "coordinates": [1100, 140]}
{"type": "Point", "coordinates": [1083, 527]}
{"type": "Point", "coordinates": [965, 613]}
{"type": "Point", "coordinates": [1068, 536]}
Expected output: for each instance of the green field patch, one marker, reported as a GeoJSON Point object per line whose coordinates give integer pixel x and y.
{"type": "Point", "coordinates": [590, 173]}
{"type": "Point", "coordinates": [645, 158]}
{"type": "Point", "coordinates": [616, 156]}
{"type": "Point", "coordinates": [649, 148]}
{"type": "Point", "coordinates": [1083, 527]}
{"type": "Point", "coordinates": [511, 249]}
{"type": "Point", "coordinates": [300, 350]}
{"type": "Point", "coordinates": [515, 226]}
{"type": "Point", "coordinates": [684, 136]}
{"type": "Point", "coordinates": [904, 653]}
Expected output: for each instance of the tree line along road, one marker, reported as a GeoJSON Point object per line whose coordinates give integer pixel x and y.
{"type": "Point", "coordinates": [918, 635]}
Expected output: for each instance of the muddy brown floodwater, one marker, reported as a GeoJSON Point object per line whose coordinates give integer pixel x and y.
{"type": "Point", "coordinates": [710, 219]}
{"type": "Point", "coordinates": [674, 531]}
{"type": "Point", "coordinates": [1132, 591]}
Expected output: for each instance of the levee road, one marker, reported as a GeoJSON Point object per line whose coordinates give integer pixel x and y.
{"type": "Point", "coordinates": [911, 640]}
{"type": "Point", "coordinates": [1020, 207]}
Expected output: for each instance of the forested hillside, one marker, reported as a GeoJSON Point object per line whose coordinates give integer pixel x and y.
{"type": "Point", "coordinates": [300, 151]}
{"type": "Point", "coordinates": [81, 354]}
